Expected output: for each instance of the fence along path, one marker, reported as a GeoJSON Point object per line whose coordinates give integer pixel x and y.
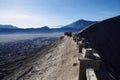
{"type": "Point", "coordinates": [89, 60]}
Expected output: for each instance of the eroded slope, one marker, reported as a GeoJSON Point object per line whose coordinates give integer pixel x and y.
{"type": "Point", "coordinates": [55, 62]}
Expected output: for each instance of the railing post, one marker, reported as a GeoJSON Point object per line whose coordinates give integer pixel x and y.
{"type": "Point", "coordinates": [89, 53]}
{"type": "Point", "coordinates": [81, 46]}
{"type": "Point", "coordinates": [82, 70]}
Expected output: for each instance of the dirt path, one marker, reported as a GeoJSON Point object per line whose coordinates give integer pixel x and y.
{"type": "Point", "coordinates": [64, 61]}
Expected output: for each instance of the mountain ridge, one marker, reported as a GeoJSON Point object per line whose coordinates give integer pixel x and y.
{"type": "Point", "coordinates": [74, 27]}
{"type": "Point", "coordinates": [79, 24]}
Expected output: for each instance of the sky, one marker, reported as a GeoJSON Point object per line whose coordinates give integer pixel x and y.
{"type": "Point", "coordinates": [53, 13]}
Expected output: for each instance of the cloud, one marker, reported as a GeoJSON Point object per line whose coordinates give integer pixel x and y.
{"type": "Point", "coordinates": [15, 16]}
{"type": "Point", "coordinates": [25, 19]}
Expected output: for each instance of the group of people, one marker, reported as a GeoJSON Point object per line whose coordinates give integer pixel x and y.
{"type": "Point", "coordinates": [69, 34]}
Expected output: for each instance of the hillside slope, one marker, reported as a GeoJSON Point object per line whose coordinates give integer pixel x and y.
{"type": "Point", "coordinates": [56, 62]}
{"type": "Point", "coordinates": [104, 37]}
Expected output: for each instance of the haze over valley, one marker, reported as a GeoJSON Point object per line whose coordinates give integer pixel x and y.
{"type": "Point", "coordinates": [16, 37]}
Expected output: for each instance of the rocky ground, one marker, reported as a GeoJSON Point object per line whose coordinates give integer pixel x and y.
{"type": "Point", "coordinates": [58, 61]}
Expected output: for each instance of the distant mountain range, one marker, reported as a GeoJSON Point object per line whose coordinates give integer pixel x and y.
{"type": "Point", "coordinates": [73, 27]}
{"type": "Point", "coordinates": [8, 26]}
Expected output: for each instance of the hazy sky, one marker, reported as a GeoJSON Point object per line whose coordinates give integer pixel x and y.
{"type": "Point", "coordinates": [38, 13]}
